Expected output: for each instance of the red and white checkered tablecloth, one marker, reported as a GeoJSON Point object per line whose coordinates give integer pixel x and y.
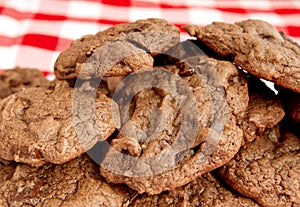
{"type": "Point", "coordinates": [34, 32]}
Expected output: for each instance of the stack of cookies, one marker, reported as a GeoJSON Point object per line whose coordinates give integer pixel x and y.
{"type": "Point", "coordinates": [137, 117]}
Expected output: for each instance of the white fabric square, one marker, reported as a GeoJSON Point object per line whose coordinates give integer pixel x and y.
{"type": "Point", "coordinates": [35, 58]}
{"type": "Point", "coordinates": [257, 4]}
{"type": "Point", "coordinates": [207, 3]}
{"type": "Point", "coordinates": [13, 28]}
{"type": "Point", "coordinates": [136, 13]}
{"type": "Point", "coordinates": [233, 17]}
{"type": "Point", "coordinates": [44, 27]}
{"type": "Point", "coordinates": [8, 56]}
{"type": "Point", "coordinates": [204, 16]}
{"type": "Point", "coordinates": [147, 1]}
{"type": "Point", "coordinates": [54, 7]}
{"type": "Point", "coordinates": [116, 13]}
{"type": "Point", "coordinates": [75, 29]}
{"type": "Point", "coordinates": [292, 19]}
{"type": "Point", "coordinates": [295, 4]}
{"type": "Point", "coordinates": [272, 18]}
{"type": "Point", "coordinates": [24, 6]}
{"type": "Point", "coordinates": [84, 9]}
{"type": "Point", "coordinates": [173, 14]}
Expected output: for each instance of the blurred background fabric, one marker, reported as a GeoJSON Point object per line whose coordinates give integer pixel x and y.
{"type": "Point", "coordinates": [34, 32]}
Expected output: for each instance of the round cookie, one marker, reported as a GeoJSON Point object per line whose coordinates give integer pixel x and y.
{"type": "Point", "coordinates": [264, 111]}
{"type": "Point", "coordinates": [75, 183]}
{"type": "Point", "coordinates": [267, 170]}
{"type": "Point", "coordinates": [14, 80]}
{"type": "Point", "coordinates": [205, 191]}
{"type": "Point", "coordinates": [257, 47]}
{"type": "Point", "coordinates": [116, 51]}
{"type": "Point", "coordinates": [177, 128]}
{"type": "Point", "coordinates": [39, 125]}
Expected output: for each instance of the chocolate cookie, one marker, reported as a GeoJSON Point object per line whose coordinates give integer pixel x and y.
{"type": "Point", "coordinates": [267, 170]}
{"type": "Point", "coordinates": [6, 172]}
{"type": "Point", "coordinates": [117, 51]}
{"type": "Point", "coordinates": [39, 125]}
{"type": "Point", "coordinates": [176, 128]}
{"type": "Point", "coordinates": [205, 191]}
{"type": "Point", "coordinates": [264, 111]}
{"type": "Point", "coordinates": [75, 183]}
{"type": "Point", "coordinates": [257, 47]}
{"type": "Point", "coordinates": [14, 80]}
{"type": "Point", "coordinates": [291, 103]}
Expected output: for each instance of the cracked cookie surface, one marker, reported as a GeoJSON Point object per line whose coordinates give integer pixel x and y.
{"type": "Point", "coordinates": [264, 111]}
{"type": "Point", "coordinates": [267, 170]}
{"type": "Point", "coordinates": [166, 143]}
{"type": "Point", "coordinates": [14, 80]}
{"type": "Point", "coordinates": [205, 191]}
{"type": "Point", "coordinates": [40, 125]}
{"type": "Point", "coordinates": [257, 47]}
{"type": "Point", "coordinates": [116, 51]}
{"type": "Point", "coordinates": [75, 183]}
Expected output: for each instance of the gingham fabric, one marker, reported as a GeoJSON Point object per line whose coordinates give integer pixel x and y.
{"type": "Point", "coordinates": [34, 32]}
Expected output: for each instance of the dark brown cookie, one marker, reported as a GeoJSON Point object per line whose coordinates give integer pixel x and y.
{"type": "Point", "coordinates": [177, 128]}
{"type": "Point", "coordinates": [7, 170]}
{"type": "Point", "coordinates": [267, 170]}
{"type": "Point", "coordinates": [39, 125]}
{"type": "Point", "coordinates": [205, 191]}
{"type": "Point", "coordinates": [119, 50]}
{"type": "Point", "coordinates": [257, 47]}
{"type": "Point", "coordinates": [14, 80]}
{"type": "Point", "coordinates": [75, 183]}
{"type": "Point", "coordinates": [264, 111]}
{"type": "Point", "coordinates": [291, 102]}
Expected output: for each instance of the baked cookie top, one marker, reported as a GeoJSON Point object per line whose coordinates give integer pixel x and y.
{"type": "Point", "coordinates": [39, 125]}
{"type": "Point", "coordinates": [179, 127]}
{"type": "Point", "coordinates": [204, 191]}
{"type": "Point", "coordinates": [118, 50]}
{"type": "Point", "coordinates": [267, 170]}
{"type": "Point", "coordinates": [14, 80]}
{"type": "Point", "coordinates": [75, 183]}
{"type": "Point", "coordinates": [257, 47]}
{"type": "Point", "coordinates": [264, 111]}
